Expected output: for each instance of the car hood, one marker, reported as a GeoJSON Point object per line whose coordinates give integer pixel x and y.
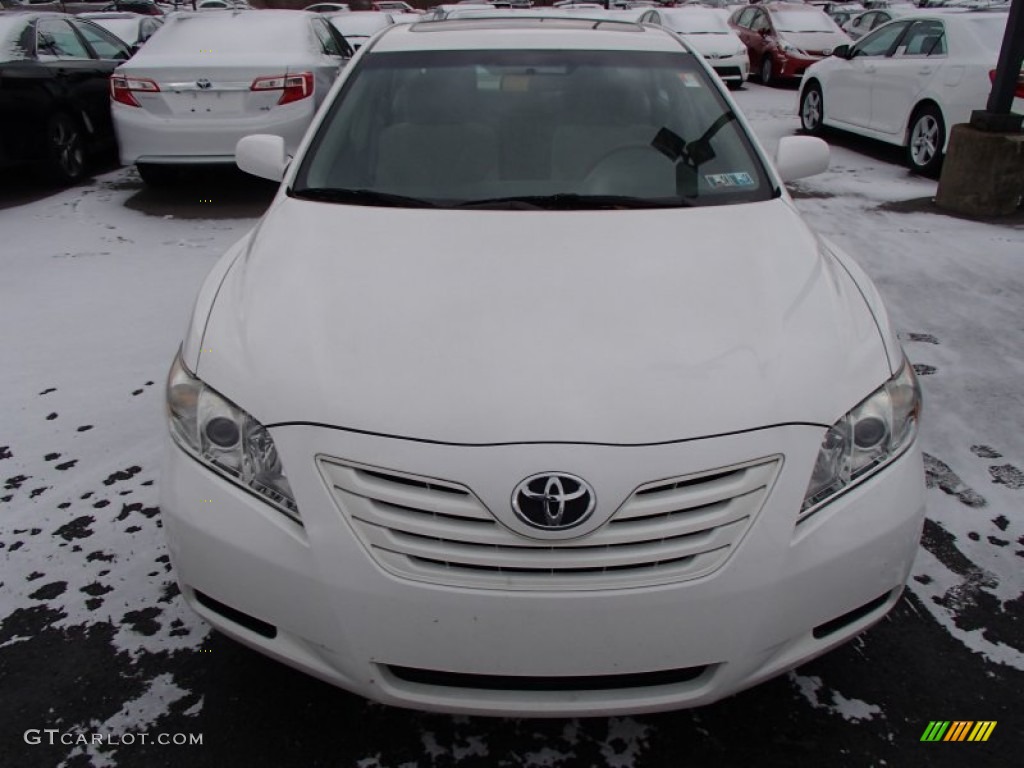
{"type": "Point", "coordinates": [715, 45]}
{"type": "Point", "coordinates": [621, 327]}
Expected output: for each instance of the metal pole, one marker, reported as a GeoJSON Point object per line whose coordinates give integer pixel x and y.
{"type": "Point", "coordinates": [997, 116]}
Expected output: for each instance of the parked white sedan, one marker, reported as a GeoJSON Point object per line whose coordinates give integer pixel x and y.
{"type": "Point", "coordinates": [908, 82]}
{"type": "Point", "coordinates": [210, 78]}
{"type": "Point", "coordinates": [533, 394]}
{"type": "Point", "coordinates": [708, 33]}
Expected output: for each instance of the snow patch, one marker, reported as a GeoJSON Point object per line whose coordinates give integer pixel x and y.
{"type": "Point", "coordinates": [625, 741]}
{"type": "Point", "coordinates": [814, 691]}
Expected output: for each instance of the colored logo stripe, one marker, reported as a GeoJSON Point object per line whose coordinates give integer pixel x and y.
{"type": "Point", "coordinates": [982, 730]}
{"type": "Point", "coordinates": [958, 730]}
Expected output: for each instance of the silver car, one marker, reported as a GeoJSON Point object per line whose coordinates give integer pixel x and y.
{"type": "Point", "coordinates": [207, 80]}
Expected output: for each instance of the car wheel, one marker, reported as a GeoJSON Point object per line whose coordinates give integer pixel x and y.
{"type": "Point", "coordinates": [925, 139]}
{"type": "Point", "coordinates": [65, 155]}
{"type": "Point", "coordinates": [766, 70]}
{"type": "Point", "coordinates": [157, 175]}
{"type": "Point", "coordinates": [812, 111]}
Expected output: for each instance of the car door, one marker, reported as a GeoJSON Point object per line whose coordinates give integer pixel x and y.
{"type": "Point", "coordinates": [848, 93]}
{"type": "Point", "coordinates": [740, 22]}
{"type": "Point", "coordinates": [106, 52]}
{"type": "Point", "coordinates": [915, 62]}
{"type": "Point", "coordinates": [762, 38]}
{"type": "Point", "coordinates": [61, 51]}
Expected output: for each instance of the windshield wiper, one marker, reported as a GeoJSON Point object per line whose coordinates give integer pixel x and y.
{"type": "Point", "coordinates": [568, 201]}
{"type": "Point", "coordinates": [361, 197]}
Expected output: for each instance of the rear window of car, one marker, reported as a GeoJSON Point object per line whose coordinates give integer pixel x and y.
{"type": "Point", "coordinates": [989, 30]}
{"type": "Point", "coordinates": [231, 33]}
{"type": "Point", "coordinates": [459, 128]}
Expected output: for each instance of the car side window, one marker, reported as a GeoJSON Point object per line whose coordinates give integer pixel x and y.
{"type": "Point", "coordinates": [880, 42]}
{"type": "Point", "coordinates": [102, 42]}
{"type": "Point", "coordinates": [56, 39]}
{"type": "Point", "coordinates": [925, 38]}
{"type": "Point", "coordinates": [743, 20]}
{"type": "Point", "coordinates": [334, 43]}
{"type": "Point", "coordinates": [880, 18]}
{"type": "Point", "coordinates": [328, 44]}
{"type": "Point", "coordinates": [760, 22]}
{"type": "Point", "coordinates": [146, 29]}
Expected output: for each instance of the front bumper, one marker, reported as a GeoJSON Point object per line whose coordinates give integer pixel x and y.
{"type": "Point", "coordinates": [731, 68]}
{"type": "Point", "coordinates": [144, 137]}
{"type": "Point", "coordinates": [789, 65]}
{"type": "Point", "coordinates": [313, 597]}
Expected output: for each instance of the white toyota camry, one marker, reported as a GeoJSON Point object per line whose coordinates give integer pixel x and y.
{"type": "Point", "coordinates": [909, 82]}
{"type": "Point", "coordinates": [533, 394]}
{"type": "Point", "coordinates": [209, 79]}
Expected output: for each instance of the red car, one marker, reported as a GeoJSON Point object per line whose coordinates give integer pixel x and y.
{"type": "Point", "coordinates": [784, 39]}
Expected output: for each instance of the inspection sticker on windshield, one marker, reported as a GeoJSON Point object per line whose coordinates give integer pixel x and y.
{"type": "Point", "coordinates": [689, 79]}
{"type": "Point", "coordinates": [720, 180]}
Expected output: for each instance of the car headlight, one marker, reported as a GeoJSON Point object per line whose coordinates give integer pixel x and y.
{"type": "Point", "coordinates": [865, 439]}
{"type": "Point", "coordinates": [789, 48]}
{"type": "Point", "coordinates": [226, 438]}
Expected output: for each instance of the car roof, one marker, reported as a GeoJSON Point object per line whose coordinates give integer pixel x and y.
{"type": "Point", "coordinates": [535, 32]}
{"type": "Point", "coordinates": [106, 15]}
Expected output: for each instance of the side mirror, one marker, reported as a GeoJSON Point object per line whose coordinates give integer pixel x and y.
{"type": "Point", "coordinates": [262, 155]}
{"type": "Point", "coordinates": [798, 157]}
{"type": "Point", "coordinates": [764, 32]}
{"type": "Point", "coordinates": [842, 51]}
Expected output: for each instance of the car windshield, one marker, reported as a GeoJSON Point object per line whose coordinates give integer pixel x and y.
{"type": "Point", "coordinates": [531, 129]}
{"type": "Point", "coordinates": [803, 21]}
{"type": "Point", "coordinates": [697, 23]}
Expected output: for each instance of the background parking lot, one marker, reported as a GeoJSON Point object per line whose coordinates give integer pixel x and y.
{"type": "Point", "coordinates": [96, 283]}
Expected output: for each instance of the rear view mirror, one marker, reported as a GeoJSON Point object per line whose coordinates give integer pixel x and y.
{"type": "Point", "coordinates": [801, 156]}
{"type": "Point", "coordinates": [262, 155]}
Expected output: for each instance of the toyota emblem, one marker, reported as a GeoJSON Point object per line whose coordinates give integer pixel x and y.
{"type": "Point", "coordinates": [553, 501]}
{"type": "Point", "coordinates": [203, 83]}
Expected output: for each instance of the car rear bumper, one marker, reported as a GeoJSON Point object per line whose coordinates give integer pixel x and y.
{"type": "Point", "coordinates": [315, 597]}
{"type": "Point", "coordinates": [145, 137]}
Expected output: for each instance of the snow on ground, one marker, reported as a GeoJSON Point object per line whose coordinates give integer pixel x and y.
{"type": "Point", "coordinates": [94, 295]}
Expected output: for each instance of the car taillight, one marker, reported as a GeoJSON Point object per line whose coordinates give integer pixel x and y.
{"type": "Point", "coordinates": [1019, 91]}
{"type": "Point", "coordinates": [121, 88]}
{"type": "Point", "coordinates": [292, 87]}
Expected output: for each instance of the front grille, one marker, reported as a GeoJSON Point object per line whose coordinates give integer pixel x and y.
{"type": "Point", "coordinates": [438, 678]}
{"type": "Point", "coordinates": [440, 532]}
{"type": "Point", "coordinates": [728, 71]}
